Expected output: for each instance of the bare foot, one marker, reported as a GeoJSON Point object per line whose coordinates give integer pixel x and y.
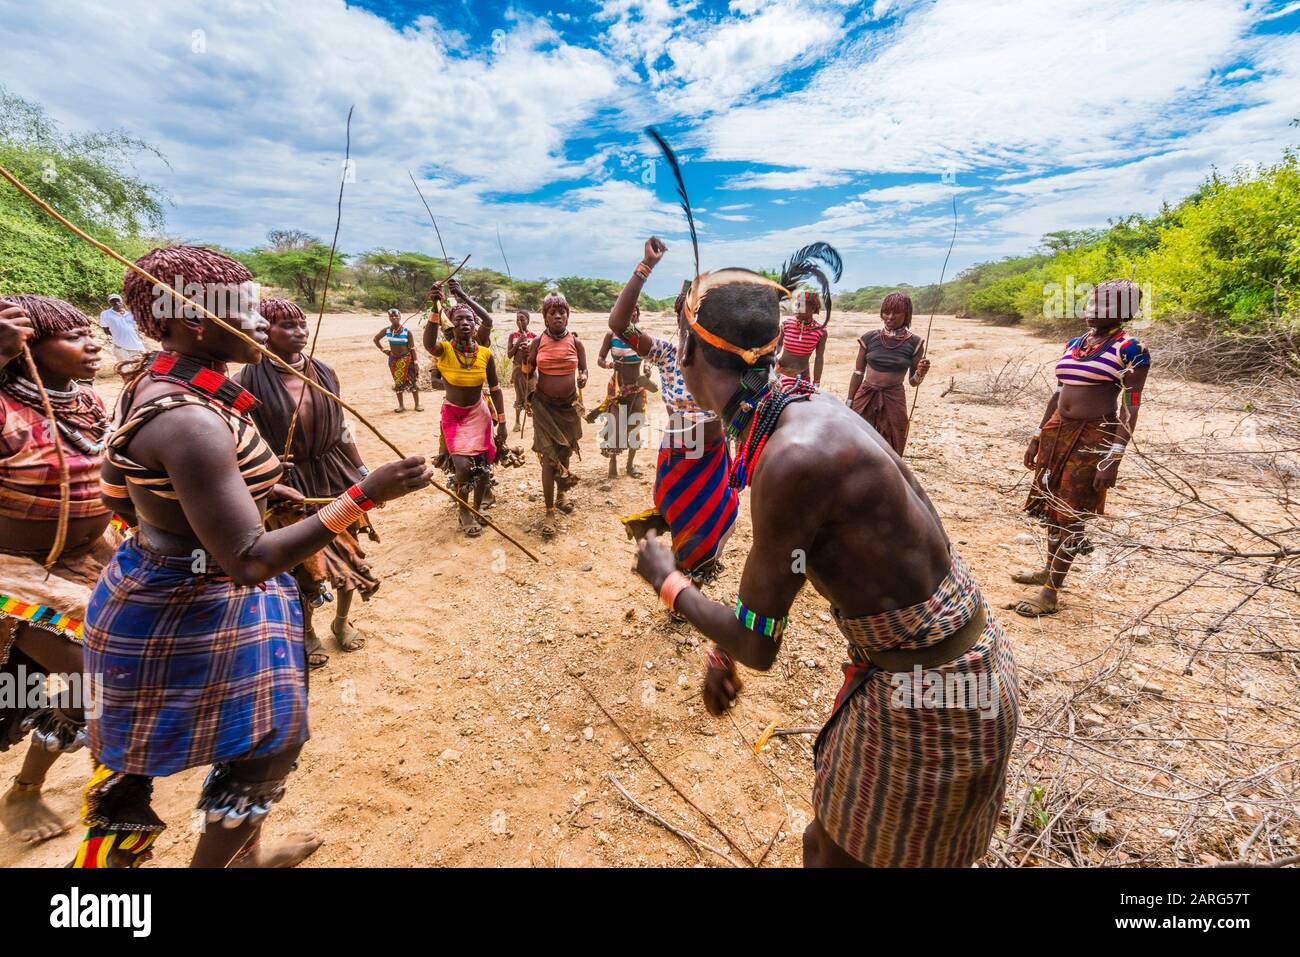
{"type": "Point", "coordinates": [1029, 576]}
{"type": "Point", "coordinates": [349, 638]}
{"type": "Point", "coordinates": [296, 849]}
{"type": "Point", "coordinates": [633, 472]}
{"type": "Point", "coordinates": [26, 816]}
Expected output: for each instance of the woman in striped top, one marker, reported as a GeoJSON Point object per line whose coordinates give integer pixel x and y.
{"type": "Point", "coordinates": [196, 625]}
{"type": "Point", "coordinates": [402, 363]}
{"type": "Point", "coordinates": [41, 610]}
{"type": "Point", "coordinates": [802, 337]}
{"type": "Point", "coordinates": [1088, 422]}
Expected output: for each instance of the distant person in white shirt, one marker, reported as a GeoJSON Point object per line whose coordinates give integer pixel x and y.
{"type": "Point", "coordinates": [121, 326]}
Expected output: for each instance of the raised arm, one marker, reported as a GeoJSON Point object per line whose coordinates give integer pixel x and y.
{"type": "Point", "coordinates": [430, 336]}
{"type": "Point", "coordinates": [620, 317]}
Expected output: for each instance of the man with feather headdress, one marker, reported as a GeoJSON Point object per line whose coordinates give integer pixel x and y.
{"type": "Point", "coordinates": [901, 779]}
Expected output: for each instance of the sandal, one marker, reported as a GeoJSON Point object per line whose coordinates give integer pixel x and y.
{"type": "Point", "coordinates": [1034, 607]}
{"type": "Point", "coordinates": [350, 639]}
{"type": "Point", "coordinates": [316, 656]}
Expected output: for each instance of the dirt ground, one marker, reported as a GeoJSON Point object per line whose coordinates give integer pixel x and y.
{"type": "Point", "coordinates": [462, 735]}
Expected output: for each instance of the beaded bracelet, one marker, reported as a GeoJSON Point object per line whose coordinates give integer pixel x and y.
{"type": "Point", "coordinates": [761, 624]}
{"type": "Point", "coordinates": [642, 270]}
{"type": "Point", "coordinates": [720, 659]}
{"type": "Point", "coordinates": [341, 514]}
{"type": "Point", "coordinates": [346, 510]}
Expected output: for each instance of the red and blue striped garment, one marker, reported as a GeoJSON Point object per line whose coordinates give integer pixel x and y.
{"type": "Point", "coordinates": [195, 669]}
{"type": "Point", "coordinates": [1107, 365]}
{"type": "Point", "coordinates": [693, 494]}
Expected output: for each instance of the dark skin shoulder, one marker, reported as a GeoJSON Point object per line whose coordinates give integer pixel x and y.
{"type": "Point", "coordinates": [214, 510]}
{"type": "Point", "coordinates": [833, 505]}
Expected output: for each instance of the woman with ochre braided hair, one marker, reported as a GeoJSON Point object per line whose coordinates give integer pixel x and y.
{"type": "Point", "coordinates": [472, 431]}
{"type": "Point", "coordinates": [886, 357]}
{"type": "Point", "coordinates": [324, 462]}
{"type": "Point", "coordinates": [1089, 420]}
{"type": "Point", "coordinates": [560, 362]}
{"type": "Point", "coordinates": [41, 612]}
{"type": "Point", "coordinates": [196, 624]}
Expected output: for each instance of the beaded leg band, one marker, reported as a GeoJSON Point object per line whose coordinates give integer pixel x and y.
{"type": "Point", "coordinates": [117, 810]}
{"type": "Point", "coordinates": [56, 732]}
{"type": "Point", "coordinates": [230, 802]}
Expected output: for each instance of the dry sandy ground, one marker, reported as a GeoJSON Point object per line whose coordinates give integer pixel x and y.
{"type": "Point", "coordinates": [460, 735]}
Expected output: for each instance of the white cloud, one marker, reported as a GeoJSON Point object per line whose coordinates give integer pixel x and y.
{"type": "Point", "coordinates": [789, 180]}
{"type": "Point", "coordinates": [910, 195]}
{"type": "Point", "coordinates": [981, 83]}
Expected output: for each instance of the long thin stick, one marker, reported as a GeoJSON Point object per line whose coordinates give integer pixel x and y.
{"type": "Point", "coordinates": [942, 272]}
{"type": "Point", "coordinates": [690, 839]}
{"type": "Point", "coordinates": [632, 741]}
{"type": "Point", "coordinates": [245, 338]}
{"type": "Point", "coordinates": [433, 219]}
{"type": "Point", "coordinates": [65, 482]}
{"type": "Point", "coordinates": [329, 269]}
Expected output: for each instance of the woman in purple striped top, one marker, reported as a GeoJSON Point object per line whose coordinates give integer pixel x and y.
{"type": "Point", "coordinates": [1077, 448]}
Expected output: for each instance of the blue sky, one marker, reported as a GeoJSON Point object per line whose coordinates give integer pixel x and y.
{"type": "Point", "coordinates": [798, 120]}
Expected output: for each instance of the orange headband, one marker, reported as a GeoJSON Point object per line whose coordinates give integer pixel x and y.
{"type": "Point", "coordinates": [706, 283]}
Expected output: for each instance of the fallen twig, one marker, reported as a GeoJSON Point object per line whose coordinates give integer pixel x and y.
{"type": "Point", "coordinates": [691, 840]}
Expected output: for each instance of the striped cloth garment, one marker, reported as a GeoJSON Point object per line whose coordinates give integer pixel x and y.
{"type": "Point", "coordinates": [907, 783]}
{"type": "Point", "coordinates": [1105, 366]}
{"type": "Point", "coordinates": [800, 339]}
{"type": "Point", "coordinates": [693, 494]}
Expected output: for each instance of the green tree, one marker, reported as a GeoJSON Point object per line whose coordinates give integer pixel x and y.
{"type": "Point", "coordinates": [300, 270]}
{"type": "Point", "coordinates": [84, 176]}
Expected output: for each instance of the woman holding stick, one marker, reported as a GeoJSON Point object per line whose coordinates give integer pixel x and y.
{"type": "Point", "coordinates": [42, 608]}
{"type": "Point", "coordinates": [195, 624]}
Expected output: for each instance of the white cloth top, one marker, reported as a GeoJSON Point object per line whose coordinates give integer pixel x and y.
{"type": "Point", "coordinates": [121, 325]}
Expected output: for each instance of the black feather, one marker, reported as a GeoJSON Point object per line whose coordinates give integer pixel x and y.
{"type": "Point", "coordinates": [671, 157]}
{"type": "Point", "coordinates": [796, 268]}
{"type": "Point", "coordinates": [804, 265]}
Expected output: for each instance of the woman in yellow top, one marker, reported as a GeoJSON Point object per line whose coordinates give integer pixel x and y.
{"type": "Point", "coordinates": [464, 366]}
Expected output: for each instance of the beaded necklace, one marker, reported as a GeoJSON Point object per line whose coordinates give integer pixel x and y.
{"type": "Point", "coordinates": [1081, 349]}
{"type": "Point", "coordinates": [762, 423]}
{"type": "Point", "coordinates": [67, 404]}
{"type": "Point", "coordinates": [203, 379]}
{"type": "Point", "coordinates": [740, 407]}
